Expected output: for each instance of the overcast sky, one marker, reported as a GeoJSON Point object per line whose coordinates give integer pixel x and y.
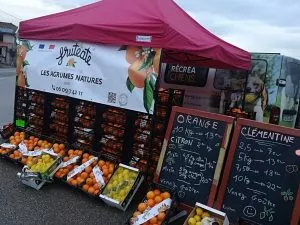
{"type": "Point", "coordinates": [254, 25]}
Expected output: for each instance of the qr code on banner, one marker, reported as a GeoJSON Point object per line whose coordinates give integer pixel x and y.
{"type": "Point", "coordinates": [112, 97]}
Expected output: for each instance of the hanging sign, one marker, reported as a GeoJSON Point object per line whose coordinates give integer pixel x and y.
{"type": "Point", "coordinates": [123, 76]}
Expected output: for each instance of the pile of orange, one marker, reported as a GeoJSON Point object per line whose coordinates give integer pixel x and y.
{"type": "Point", "coordinates": [91, 186]}
{"type": "Point", "coordinates": [4, 151]}
{"type": "Point", "coordinates": [62, 172]}
{"type": "Point", "coordinates": [16, 155]}
{"type": "Point", "coordinates": [43, 144]}
{"type": "Point", "coordinates": [17, 138]}
{"type": "Point", "coordinates": [86, 157]}
{"type": "Point", "coordinates": [80, 178]}
{"type": "Point", "coordinates": [31, 142]}
{"type": "Point", "coordinates": [152, 199]}
{"type": "Point", "coordinates": [39, 144]}
{"type": "Point", "coordinates": [59, 149]}
{"type": "Point", "coordinates": [27, 160]}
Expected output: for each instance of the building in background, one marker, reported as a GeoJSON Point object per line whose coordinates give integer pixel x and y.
{"type": "Point", "coordinates": [8, 43]}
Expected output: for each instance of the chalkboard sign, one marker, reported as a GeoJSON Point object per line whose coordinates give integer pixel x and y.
{"type": "Point", "coordinates": [193, 154]}
{"type": "Point", "coordinates": [261, 177]}
{"type": "Point", "coordinates": [186, 75]}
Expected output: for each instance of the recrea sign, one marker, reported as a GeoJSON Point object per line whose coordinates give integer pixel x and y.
{"type": "Point", "coordinates": [123, 76]}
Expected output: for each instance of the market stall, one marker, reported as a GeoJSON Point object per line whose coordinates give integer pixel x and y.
{"type": "Point", "coordinates": [88, 90]}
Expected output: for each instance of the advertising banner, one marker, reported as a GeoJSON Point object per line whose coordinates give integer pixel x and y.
{"type": "Point", "coordinates": [120, 76]}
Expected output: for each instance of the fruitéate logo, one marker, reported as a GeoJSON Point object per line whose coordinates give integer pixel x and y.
{"type": "Point", "coordinates": [84, 54]}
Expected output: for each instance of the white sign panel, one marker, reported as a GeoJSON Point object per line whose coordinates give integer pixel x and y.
{"type": "Point", "coordinates": [120, 76]}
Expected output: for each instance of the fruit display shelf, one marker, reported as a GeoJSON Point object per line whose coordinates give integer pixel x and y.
{"type": "Point", "coordinates": [84, 125]}
{"type": "Point", "coordinates": [163, 107]}
{"type": "Point", "coordinates": [35, 111]}
{"type": "Point", "coordinates": [141, 149]}
{"type": "Point", "coordinates": [122, 187]}
{"type": "Point", "coordinates": [59, 118]}
{"type": "Point", "coordinates": [113, 130]}
{"type": "Point", "coordinates": [156, 207]}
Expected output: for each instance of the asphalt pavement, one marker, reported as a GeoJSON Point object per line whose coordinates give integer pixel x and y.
{"type": "Point", "coordinates": [7, 94]}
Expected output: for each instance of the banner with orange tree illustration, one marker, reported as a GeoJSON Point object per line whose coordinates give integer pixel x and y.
{"type": "Point", "coordinates": [121, 76]}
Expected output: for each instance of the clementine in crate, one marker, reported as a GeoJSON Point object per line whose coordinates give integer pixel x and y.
{"type": "Point", "coordinates": [91, 185]}
{"type": "Point", "coordinates": [153, 198]}
{"type": "Point", "coordinates": [62, 172]}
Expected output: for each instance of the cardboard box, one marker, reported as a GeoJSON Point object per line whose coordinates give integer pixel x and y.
{"type": "Point", "coordinates": [122, 204]}
{"type": "Point", "coordinates": [216, 216]}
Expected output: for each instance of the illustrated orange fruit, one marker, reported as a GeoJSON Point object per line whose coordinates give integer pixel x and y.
{"type": "Point", "coordinates": [84, 160]}
{"type": "Point", "coordinates": [158, 199]}
{"type": "Point", "coordinates": [61, 146]}
{"type": "Point", "coordinates": [136, 75]}
{"type": "Point", "coordinates": [153, 220]}
{"type": "Point", "coordinates": [151, 202]}
{"type": "Point", "coordinates": [150, 195]}
{"type": "Point", "coordinates": [131, 53]}
{"type": "Point", "coordinates": [142, 207]}
{"type": "Point", "coordinates": [165, 195]}
{"type": "Point", "coordinates": [161, 216]}
{"type": "Point", "coordinates": [157, 192]}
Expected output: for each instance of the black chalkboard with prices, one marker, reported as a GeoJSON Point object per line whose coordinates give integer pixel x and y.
{"type": "Point", "coordinates": [261, 177]}
{"type": "Point", "coordinates": [193, 154]}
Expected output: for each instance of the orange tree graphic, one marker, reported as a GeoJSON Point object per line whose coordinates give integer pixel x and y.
{"type": "Point", "coordinates": [143, 71]}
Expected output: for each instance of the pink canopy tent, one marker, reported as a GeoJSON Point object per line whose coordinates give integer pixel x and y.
{"type": "Point", "coordinates": [154, 23]}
